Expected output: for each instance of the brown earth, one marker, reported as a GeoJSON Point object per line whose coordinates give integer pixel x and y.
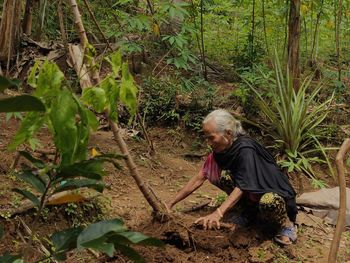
{"type": "Point", "coordinates": [166, 173]}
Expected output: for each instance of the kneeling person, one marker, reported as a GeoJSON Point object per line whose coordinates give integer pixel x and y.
{"type": "Point", "coordinates": [254, 180]}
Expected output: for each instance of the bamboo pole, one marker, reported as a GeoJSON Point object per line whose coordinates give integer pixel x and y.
{"type": "Point", "coordinates": [79, 24]}
{"type": "Point", "coordinates": [344, 149]}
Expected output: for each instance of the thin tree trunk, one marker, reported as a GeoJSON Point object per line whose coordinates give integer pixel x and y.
{"type": "Point", "coordinates": [42, 13]}
{"type": "Point", "coordinates": [344, 149]}
{"type": "Point", "coordinates": [195, 26]}
{"type": "Point", "coordinates": [264, 24]}
{"type": "Point", "coordinates": [337, 37]}
{"type": "Point", "coordinates": [10, 29]}
{"type": "Point", "coordinates": [285, 29]}
{"type": "Point", "coordinates": [335, 12]}
{"type": "Point", "coordinates": [61, 22]}
{"type": "Point", "coordinates": [205, 74]}
{"type": "Point", "coordinates": [110, 5]}
{"type": "Point", "coordinates": [144, 188]}
{"type": "Point", "coordinates": [252, 32]}
{"type": "Point", "coordinates": [97, 25]}
{"type": "Point", "coordinates": [294, 43]}
{"type": "Point", "coordinates": [314, 42]}
{"type": "Point", "coordinates": [27, 19]}
{"type": "Point", "coordinates": [157, 207]}
{"type": "Point", "coordinates": [306, 41]}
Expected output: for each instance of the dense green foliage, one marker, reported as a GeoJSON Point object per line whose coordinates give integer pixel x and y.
{"type": "Point", "coordinates": [70, 124]}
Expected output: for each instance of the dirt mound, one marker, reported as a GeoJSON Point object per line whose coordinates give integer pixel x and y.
{"type": "Point", "coordinates": [194, 244]}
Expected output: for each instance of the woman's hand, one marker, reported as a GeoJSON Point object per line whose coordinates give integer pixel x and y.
{"type": "Point", "coordinates": [210, 221]}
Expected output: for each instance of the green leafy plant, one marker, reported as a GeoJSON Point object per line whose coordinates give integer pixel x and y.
{"type": "Point", "coordinates": [70, 124]}
{"type": "Point", "coordinates": [292, 120]}
{"type": "Point", "coordinates": [118, 86]}
{"type": "Point", "coordinates": [104, 236]}
{"type": "Point", "coordinates": [21, 103]}
{"type": "Point", "coordinates": [7, 258]}
{"type": "Point", "coordinates": [220, 198]}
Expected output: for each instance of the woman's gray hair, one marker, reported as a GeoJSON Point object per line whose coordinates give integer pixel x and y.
{"type": "Point", "coordinates": [225, 122]}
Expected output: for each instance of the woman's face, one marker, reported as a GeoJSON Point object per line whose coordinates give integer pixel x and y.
{"type": "Point", "coordinates": [216, 140]}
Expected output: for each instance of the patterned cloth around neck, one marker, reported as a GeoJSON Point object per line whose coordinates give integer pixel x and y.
{"type": "Point", "coordinates": [212, 172]}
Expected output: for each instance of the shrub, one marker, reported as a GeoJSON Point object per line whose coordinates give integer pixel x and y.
{"type": "Point", "coordinates": [292, 119]}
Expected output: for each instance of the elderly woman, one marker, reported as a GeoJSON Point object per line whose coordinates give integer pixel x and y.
{"type": "Point", "coordinates": [254, 180]}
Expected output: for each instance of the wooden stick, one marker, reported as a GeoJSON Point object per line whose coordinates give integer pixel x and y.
{"type": "Point", "coordinates": [344, 149]}
{"type": "Point", "coordinates": [196, 207]}
{"type": "Point", "coordinates": [97, 25]}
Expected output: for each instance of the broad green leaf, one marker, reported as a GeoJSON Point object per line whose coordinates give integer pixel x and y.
{"type": "Point", "coordinates": [11, 259]}
{"type": "Point", "coordinates": [98, 230]}
{"type": "Point", "coordinates": [117, 239]}
{"type": "Point", "coordinates": [80, 183]}
{"type": "Point", "coordinates": [33, 180]}
{"type": "Point", "coordinates": [32, 78]}
{"type": "Point", "coordinates": [60, 256]}
{"type": "Point", "coordinates": [92, 120]}
{"type": "Point", "coordinates": [99, 244]}
{"type": "Point", "coordinates": [32, 122]}
{"type": "Point", "coordinates": [139, 238]}
{"type": "Point", "coordinates": [15, 115]}
{"type": "Point", "coordinates": [6, 83]}
{"type": "Point", "coordinates": [33, 143]}
{"type": "Point", "coordinates": [21, 104]}
{"type": "Point", "coordinates": [111, 87]}
{"type": "Point", "coordinates": [49, 81]}
{"type": "Point", "coordinates": [130, 253]}
{"type": "Point", "coordinates": [128, 90]}
{"type": "Point", "coordinates": [28, 195]}
{"type": "Point", "coordinates": [95, 97]}
{"type": "Point", "coordinates": [83, 128]}
{"type": "Point", "coordinates": [36, 162]}
{"type": "Point", "coordinates": [66, 239]}
{"type": "Point", "coordinates": [92, 169]}
{"type": "Point", "coordinates": [63, 119]}
{"type": "Point", "coordinates": [115, 61]}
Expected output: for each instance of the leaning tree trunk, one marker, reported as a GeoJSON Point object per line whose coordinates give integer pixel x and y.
{"type": "Point", "coordinates": [294, 42]}
{"type": "Point", "coordinates": [144, 188]}
{"type": "Point", "coordinates": [10, 29]}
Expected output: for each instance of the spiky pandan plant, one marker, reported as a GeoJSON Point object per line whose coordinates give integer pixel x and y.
{"type": "Point", "coordinates": [292, 120]}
